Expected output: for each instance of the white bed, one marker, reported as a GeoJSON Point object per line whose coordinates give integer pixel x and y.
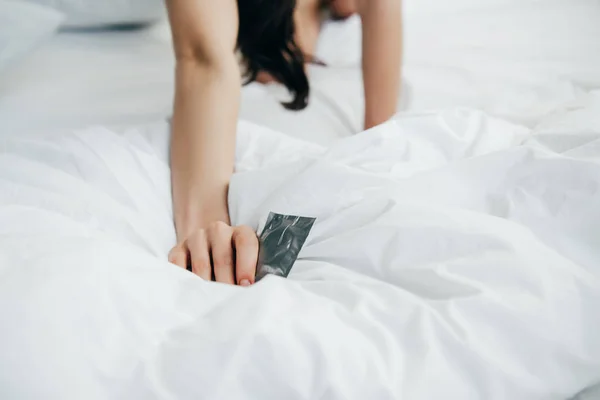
{"type": "Point", "coordinates": [455, 254]}
{"type": "Point", "coordinates": [457, 55]}
{"type": "Point", "coordinates": [126, 77]}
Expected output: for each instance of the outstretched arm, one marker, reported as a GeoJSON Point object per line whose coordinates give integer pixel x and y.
{"type": "Point", "coordinates": [203, 140]}
{"type": "Point", "coordinates": [382, 58]}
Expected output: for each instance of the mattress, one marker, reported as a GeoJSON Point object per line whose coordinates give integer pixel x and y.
{"type": "Point", "coordinates": [455, 253]}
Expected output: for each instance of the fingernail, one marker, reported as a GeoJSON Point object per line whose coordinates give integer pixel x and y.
{"type": "Point", "coordinates": [245, 282]}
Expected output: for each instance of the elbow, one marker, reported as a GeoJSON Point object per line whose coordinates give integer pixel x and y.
{"type": "Point", "coordinates": [199, 60]}
{"type": "Point", "coordinates": [191, 69]}
{"type": "Point", "coordinates": [203, 57]}
{"type": "Point", "coordinates": [216, 69]}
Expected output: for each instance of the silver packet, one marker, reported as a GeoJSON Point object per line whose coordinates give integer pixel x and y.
{"type": "Point", "coordinates": [280, 243]}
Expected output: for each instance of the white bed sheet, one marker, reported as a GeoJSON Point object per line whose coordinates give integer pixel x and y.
{"type": "Point", "coordinates": [125, 77]}
{"type": "Point", "coordinates": [86, 78]}
{"type": "Point", "coordinates": [454, 256]}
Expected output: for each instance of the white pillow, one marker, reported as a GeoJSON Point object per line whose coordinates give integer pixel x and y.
{"type": "Point", "coordinates": [22, 27]}
{"type": "Point", "coordinates": [97, 13]}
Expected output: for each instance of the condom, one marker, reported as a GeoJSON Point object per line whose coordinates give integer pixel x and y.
{"type": "Point", "coordinates": [280, 243]}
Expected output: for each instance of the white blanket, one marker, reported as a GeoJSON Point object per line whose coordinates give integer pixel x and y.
{"type": "Point", "coordinates": [455, 256]}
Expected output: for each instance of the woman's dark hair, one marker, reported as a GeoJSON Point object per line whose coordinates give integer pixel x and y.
{"type": "Point", "coordinates": [266, 41]}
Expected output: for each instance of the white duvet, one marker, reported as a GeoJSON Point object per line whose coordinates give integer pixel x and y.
{"type": "Point", "coordinates": [455, 256]}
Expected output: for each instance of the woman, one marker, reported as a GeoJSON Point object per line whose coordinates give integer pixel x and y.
{"type": "Point", "coordinates": [275, 38]}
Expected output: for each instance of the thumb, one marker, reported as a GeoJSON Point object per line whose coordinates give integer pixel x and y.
{"type": "Point", "coordinates": [179, 255]}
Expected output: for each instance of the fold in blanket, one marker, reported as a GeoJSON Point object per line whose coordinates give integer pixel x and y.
{"type": "Point", "coordinates": [453, 255]}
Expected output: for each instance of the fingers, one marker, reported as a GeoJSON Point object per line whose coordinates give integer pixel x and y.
{"type": "Point", "coordinates": [179, 255]}
{"type": "Point", "coordinates": [234, 253]}
{"type": "Point", "coordinates": [199, 254]}
{"type": "Point", "coordinates": [219, 237]}
{"type": "Point", "coordinates": [246, 247]}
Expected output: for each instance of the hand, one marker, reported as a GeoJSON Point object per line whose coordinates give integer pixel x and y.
{"type": "Point", "coordinates": [232, 250]}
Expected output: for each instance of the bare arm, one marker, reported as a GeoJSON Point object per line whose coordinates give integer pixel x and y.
{"type": "Point", "coordinates": [307, 21]}
{"type": "Point", "coordinates": [382, 58]}
{"type": "Point", "coordinates": [203, 134]}
{"type": "Point", "coordinates": [205, 112]}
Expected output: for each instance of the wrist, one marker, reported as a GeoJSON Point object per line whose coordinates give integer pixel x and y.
{"type": "Point", "coordinates": [371, 122]}
{"type": "Point", "coordinates": [185, 226]}
{"type": "Point", "coordinates": [200, 212]}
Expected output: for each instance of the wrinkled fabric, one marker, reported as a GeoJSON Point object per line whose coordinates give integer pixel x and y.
{"type": "Point", "coordinates": [454, 256]}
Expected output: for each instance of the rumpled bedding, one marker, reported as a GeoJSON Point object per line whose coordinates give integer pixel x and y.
{"type": "Point", "coordinates": [455, 255]}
